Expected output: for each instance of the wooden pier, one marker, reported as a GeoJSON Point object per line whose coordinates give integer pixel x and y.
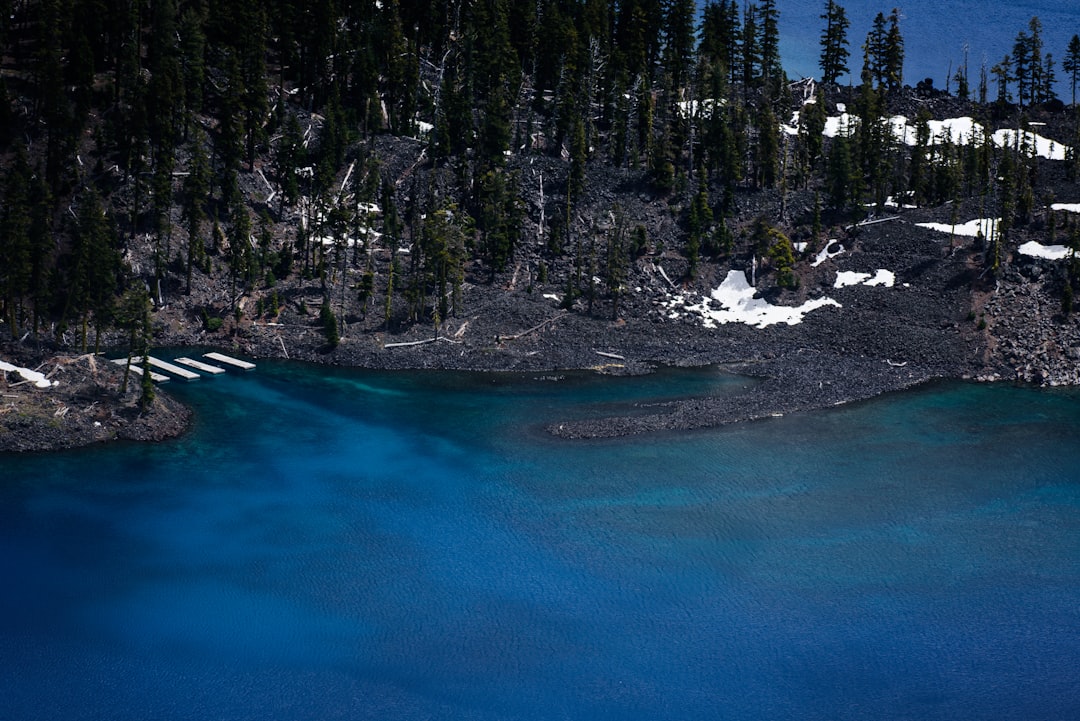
{"type": "Point", "coordinates": [136, 365]}
{"type": "Point", "coordinates": [200, 366]}
{"type": "Point", "coordinates": [174, 369]}
{"type": "Point", "coordinates": [189, 375]}
{"type": "Point", "coordinates": [228, 360]}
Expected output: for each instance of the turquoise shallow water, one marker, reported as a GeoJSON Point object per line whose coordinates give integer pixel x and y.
{"type": "Point", "coordinates": [346, 544]}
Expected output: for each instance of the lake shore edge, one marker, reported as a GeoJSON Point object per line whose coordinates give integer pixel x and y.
{"type": "Point", "coordinates": [874, 340]}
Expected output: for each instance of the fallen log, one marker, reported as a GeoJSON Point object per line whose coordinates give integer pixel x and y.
{"type": "Point", "coordinates": [535, 328]}
{"type": "Point", "coordinates": [407, 344]}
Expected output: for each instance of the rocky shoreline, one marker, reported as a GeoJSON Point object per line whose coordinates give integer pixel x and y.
{"type": "Point", "coordinates": [941, 316]}
{"type": "Point", "coordinates": [874, 340]}
{"type": "Point", "coordinates": [933, 323]}
{"type": "Point", "coordinates": [84, 407]}
{"type": "Point", "coordinates": [878, 339]}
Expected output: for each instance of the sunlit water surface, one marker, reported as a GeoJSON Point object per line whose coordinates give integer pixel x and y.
{"type": "Point", "coordinates": [333, 544]}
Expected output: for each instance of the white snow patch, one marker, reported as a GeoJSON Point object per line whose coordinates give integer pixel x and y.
{"type": "Point", "coordinates": [958, 131]}
{"type": "Point", "coordinates": [1044, 147]}
{"type": "Point", "coordinates": [892, 202]}
{"type": "Point", "coordinates": [738, 305]}
{"type": "Point", "coordinates": [350, 241]}
{"type": "Point", "coordinates": [839, 125]}
{"type": "Point", "coordinates": [1049, 252]}
{"type": "Point", "coordinates": [850, 277]}
{"type": "Point", "coordinates": [885, 278]}
{"type": "Point", "coordinates": [38, 379]}
{"type": "Point", "coordinates": [831, 250]}
{"type": "Point", "coordinates": [1067, 207]}
{"type": "Point", "coordinates": [800, 247]}
{"type": "Point", "coordinates": [882, 277]}
{"type": "Point", "coordinates": [972, 228]}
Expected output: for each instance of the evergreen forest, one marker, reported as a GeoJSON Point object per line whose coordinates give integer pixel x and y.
{"type": "Point", "coordinates": [242, 159]}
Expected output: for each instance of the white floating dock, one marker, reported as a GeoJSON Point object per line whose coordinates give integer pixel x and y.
{"type": "Point", "coordinates": [174, 369]}
{"type": "Point", "coordinates": [200, 366]}
{"type": "Point", "coordinates": [136, 365]}
{"type": "Point", "coordinates": [235, 362]}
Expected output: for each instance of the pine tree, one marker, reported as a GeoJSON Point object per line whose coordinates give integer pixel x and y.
{"type": "Point", "coordinates": [42, 247]}
{"type": "Point", "coordinates": [196, 191]}
{"type": "Point", "coordinates": [132, 312]}
{"type": "Point", "coordinates": [1003, 73]}
{"type": "Point", "coordinates": [750, 47]}
{"type": "Point", "coordinates": [1035, 58]}
{"type": "Point", "coordinates": [636, 36]}
{"type": "Point", "coordinates": [918, 171]}
{"type": "Point", "coordinates": [1049, 80]}
{"type": "Point", "coordinates": [15, 244]}
{"type": "Point", "coordinates": [388, 305]}
{"type": "Point", "coordinates": [812, 121]}
{"type": "Point", "coordinates": [495, 132]}
{"type": "Point", "coordinates": [963, 91]}
{"type": "Point", "coordinates": [95, 272]}
{"type": "Point", "coordinates": [288, 158]}
{"type": "Point", "coordinates": [839, 178]}
{"type": "Point", "coordinates": [329, 324]}
{"type": "Point", "coordinates": [229, 142]}
{"type": "Point", "coordinates": [834, 43]}
{"type": "Point", "coordinates": [699, 223]}
{"type": "Point", "coordinates": [768, 147]}
{"type": "Point", "coordinates": [161, 205]}
{"type": "Point", "coordinates": [578, 159]}
{"type": "Point", "coordinates": [6, 114]}
{"type": "Point", "coordinates": [894, 53]}
{"type": "Point", "coordinates": [165, 93]}
{"type": "Point", "coordinates": [192, 61]}
{"type": "Point", "coordinates": [396, 57]}
{"type": "Point", "coordinates": [719, 44]}
{"type": "Point", "coordinates": [872, 139]}
{"type": "Point", "coordinates": [679, 40]}
{"type": "Point", "coordinates": [146, 398]}
{"type": "Point", "coordinates": [1027, 60]}
{"type": "Point", "coordinates": [772, 74]}
{"type": "Point", "coordinates": [782, 256]}
{"type": "Point", "coordinates": [1071, 64]}
{"type": "Point", "coordinates": [874, 51]}
{"type": "Point", "coordinates": [498, 219]}
{"type": "Point", "coordinates": [252, 50]}
{"type": "Point", "coordinates": [615, 262]}
{"type": "Point", "coordinates": [239, 239]}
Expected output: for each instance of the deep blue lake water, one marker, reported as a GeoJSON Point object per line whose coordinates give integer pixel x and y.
{"type": "Point", "coordinates": [341, 544]}
{"type": "Point", "coordinates": [935, 34]}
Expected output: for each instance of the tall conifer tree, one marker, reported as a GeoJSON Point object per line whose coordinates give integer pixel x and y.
{"type": "Point", "coordinates": [834, 43]}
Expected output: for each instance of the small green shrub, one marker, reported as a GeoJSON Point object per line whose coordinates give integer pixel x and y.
{"type": "Point", "coordinates": [329, 324]}
{"type": "Point", "coordinates": [211, 323]}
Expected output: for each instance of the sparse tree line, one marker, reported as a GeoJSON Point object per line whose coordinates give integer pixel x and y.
{"type": "Point", "coordinates": [127, 122]}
